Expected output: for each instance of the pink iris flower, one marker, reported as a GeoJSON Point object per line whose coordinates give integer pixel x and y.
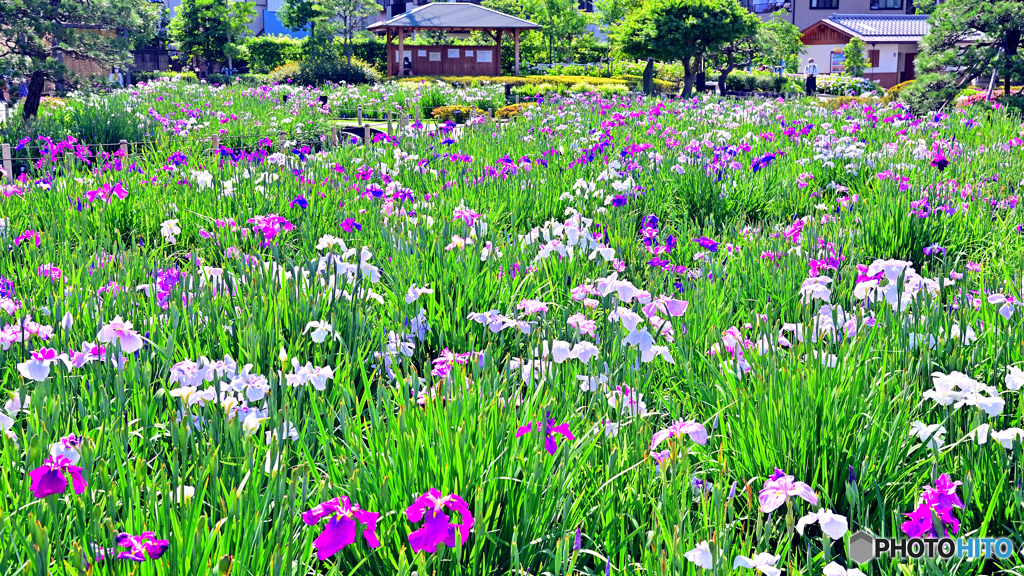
{"type": "Point", "coordinates": [122, 332]}
{"type": "Point", "coordinates": [341, 528]}
{"type": "Point", "coordinates": [779, 488]}
{"type": "Point", "coordinates": [695, 430]}
{"type": "Point", "coordinates": [438, 527]}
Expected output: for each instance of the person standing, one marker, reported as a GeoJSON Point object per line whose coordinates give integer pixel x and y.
{"type": "Point", "coordinates": [116, 78]}
{"type": "Point", "coordinates": [811, 70]}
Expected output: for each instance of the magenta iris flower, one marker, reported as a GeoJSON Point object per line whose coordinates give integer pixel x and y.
{"type": "Point", "coordinates": [938, 502]}
{"type": "Point", "coordinates": [49, 478]}
{"type": "Point", "coordinates": [348, 225]}
{"type": "Point", "coordinates": [140, 546]}
{"type": "Point", "coordinates": [438, 527]}
{"type": "Point", "coordinates": [341, 528]}
{"type": "Point", "coordinates": [550, 429]}
{"type": "Point", "coordinates": [26, 236]}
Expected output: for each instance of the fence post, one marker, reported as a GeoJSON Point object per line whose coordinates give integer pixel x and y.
{"type": "Point", "coordinates": [517, 98]}
{"type": "Point", "coordinates": [334, 136]}
{"type": "Point", "coordinates": [216, 144]}
{"type": "Point", "coordinates": [389, 122]}
{"type": "Point", "coordinates": [282, 136]}
{"type": "Point", "coordinates": [8, 167]}
{"type": "Point", "coordinates": [366, 135]}
{"type": "Point", "coordinates": [359, 113]}
{"type": "Point", "coordinates": [490, 113]}
{"type": "Point", "coordinates": [123, 147]}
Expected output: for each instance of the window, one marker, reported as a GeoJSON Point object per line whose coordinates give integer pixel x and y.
{"type": "Point", "coordinates": [886, 4]}
{"type": "Point", "coordinates": [825, 4]}
{"type": "Point", "coordinates": [873, 58]}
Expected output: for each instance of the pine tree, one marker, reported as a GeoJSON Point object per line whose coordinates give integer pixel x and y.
{"type": "Point", "coordinates": [37, 35]}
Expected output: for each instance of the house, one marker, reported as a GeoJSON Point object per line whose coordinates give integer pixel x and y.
{"type": "Point", "coordinates": [804, 13]}
{"type": "Point", "coordinates": [892, 44]}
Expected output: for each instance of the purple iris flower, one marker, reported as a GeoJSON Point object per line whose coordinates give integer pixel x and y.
{"type": "Point", "coordinates": [341, 528]}
{"type": "Point", "coordinates": [349, 224]}
{"type": "Point", "coordinates": [707, 243]}
{"type": "Point", "coordinates": [299, 201]}
{"type": "Point", "coordinates": [934, 250]}
{"type": "Point", "coordinates": [438, 527]}
{"type": "Point", "coordinates": [619, 201]}
{"type": "Point", "coordinates": [939, 161]}
{"type": "Point", "coordinates": [49, 478]}
{"type": "Point", "coordinates": [550, 429]}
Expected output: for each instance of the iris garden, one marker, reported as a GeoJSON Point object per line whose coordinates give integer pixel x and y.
{"type": "Point", "coordinates": [611, 335]}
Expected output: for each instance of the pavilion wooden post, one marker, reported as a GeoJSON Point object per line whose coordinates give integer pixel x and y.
{"type": "Point", "coordinates": [388, 51]}
{"type": "Point", "coordinates": [401, 51]}
{"type": "Point", "coordinates": [497, 60]}
{"type": "Point", "coordinates": [515, 37]}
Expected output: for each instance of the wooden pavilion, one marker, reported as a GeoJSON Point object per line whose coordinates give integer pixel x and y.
{"type": "Point", "coordinates": [454, 18]}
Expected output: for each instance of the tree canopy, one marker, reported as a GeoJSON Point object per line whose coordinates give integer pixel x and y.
{"type": "Point", "coordinates": [40, 35]}
{"type": "Point", "coordinates": [968, 39]}
{"type": "Point", "coordinates": [211, 29]}
{"type": "Point", "coordinates": [684, 30]}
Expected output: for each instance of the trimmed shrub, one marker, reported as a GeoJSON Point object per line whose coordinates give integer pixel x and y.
{"type": "Point", "coordinates": [893, 94]}
{"type": "Point", "coordinates": [269, 52]}
{"type": "Point", "coordinates": [336, 69]}
{"type": "Point", "coordinates": [222, 79]}
{"type": "Point", "coordinates": [837, 103]}
{"type": "Point", "coordinates": [517, 80]}
{"type": "Point", "coordinates": [512, 110]}
{"type": "Point", "coordinates": [446, 113]}
{"type": "Point", "coordinates": [660, 86]}
{"type": "Point", "coordinates": [284, 73]}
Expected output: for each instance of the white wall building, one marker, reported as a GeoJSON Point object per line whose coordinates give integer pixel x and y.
{"type": "Point", "coordinates": [891, 44]}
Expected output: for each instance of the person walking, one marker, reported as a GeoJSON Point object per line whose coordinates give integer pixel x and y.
{"type": "Point", "coordinates": [811, 70]}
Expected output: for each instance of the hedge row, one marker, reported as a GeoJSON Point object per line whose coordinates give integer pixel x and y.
{"type": "Point", "coordinates": [566, 81]}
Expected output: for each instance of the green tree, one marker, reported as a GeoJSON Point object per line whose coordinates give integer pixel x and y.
{"type": "Point", "coordinates": [739, 53]}
{"type": "Point", "coordinates": [610, 14]}
{"type": "Point", "coordinates": [968, 39]}
{"type": "Point", "coordinates": [685, 30]}
{"type": "Point", "coordinates": [562, 21]}
{"type": "Point", "coordinates": [533, 44]}
{"type": "Point", "coordinates": [211, 29]}
{"type": "Point", "coordinates": [854, 57]}
{"type": "Point", "coordinates": [298, 15]}
{"type": "Point", "coordinates": [38, 35]}
{"type": "Point", "coordinates": [779, 41]}
{"type": "Point", "coordinates": [349, 15]}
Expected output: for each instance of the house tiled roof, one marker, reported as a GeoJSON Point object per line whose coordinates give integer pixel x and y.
{"type": "Point", "coordinates": [452, 16]}
{"type": "Point", "coordinates": [882, 27]}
